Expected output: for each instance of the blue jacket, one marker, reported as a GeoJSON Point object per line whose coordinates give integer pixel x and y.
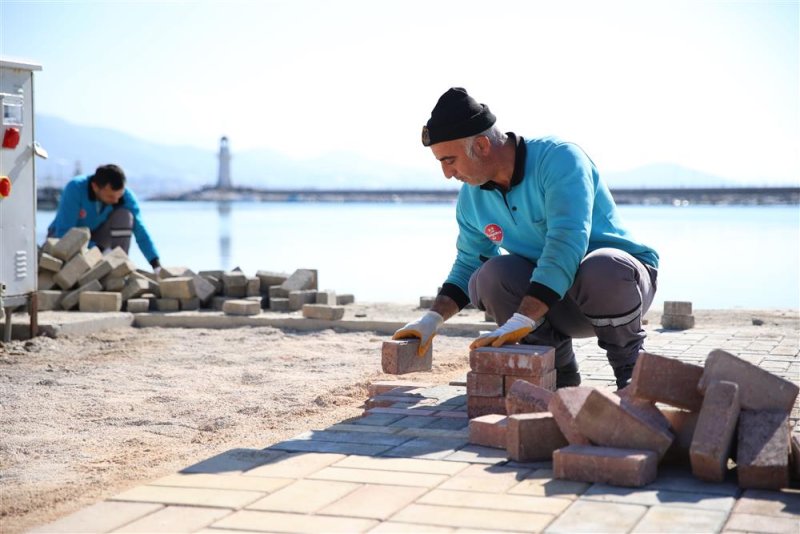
{"type": "Point", "coordinates": [557, 210]}
{"type": "Point", "coordinates": [79, 207]}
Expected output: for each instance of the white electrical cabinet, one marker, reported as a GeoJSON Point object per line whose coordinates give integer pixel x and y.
{"type": "Point", "coordinates": [18, 250]}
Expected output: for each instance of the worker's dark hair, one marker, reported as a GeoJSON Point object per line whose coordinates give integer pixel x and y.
{"type": "Point", "coordinates": [111, 175]}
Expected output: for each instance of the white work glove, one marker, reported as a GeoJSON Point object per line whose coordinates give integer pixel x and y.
{"type": "Point", "coordinates": [517, 327]}
{"type": "Point", "coordinates": [423, 328]}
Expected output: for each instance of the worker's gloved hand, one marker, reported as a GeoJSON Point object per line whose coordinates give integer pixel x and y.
{"type": "Point", "coordinates": [517, 327]}
{"type": "Point", "coordinates": [423, 328]}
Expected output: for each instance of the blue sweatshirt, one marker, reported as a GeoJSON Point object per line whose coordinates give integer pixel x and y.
{"type": "Point", "coordinates": [557, 210]}
{"type": "Point", "coordinates": [79, 207]}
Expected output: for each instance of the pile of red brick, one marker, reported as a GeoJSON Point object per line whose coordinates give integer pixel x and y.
{"type": "Point", "coordinates": [729, 409]}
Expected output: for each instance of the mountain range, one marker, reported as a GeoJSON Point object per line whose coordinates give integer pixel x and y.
{"type": "Point", "coordinates": [154, 168]}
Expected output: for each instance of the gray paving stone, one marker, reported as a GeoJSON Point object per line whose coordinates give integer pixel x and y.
{"type": "Point", "coordinates": [307, 445]}
{"type": "Point", "coordinates": [176, 519]}
{"type": "Point", "coordinates": [431, 448]}
{"type": "Point", "coordinates": [379, 419]}
{"type": "Point", "coordinates": [476, 454]}
{"type": "Point", "coordinates": [683, 480]}
{"type": "Point", "coordinates": [412, 421]}
{"type": "Point", "coordinates": [648, 497]}
{"type": "Point", "coordinates": [351, 437]}
{"type": "Point", "coordinates": [588, 516]}
{"type": "Point", "coordinates": [101, 517]}
{"type": "Point", "coordinates": [234, 461]}
{"type": "Point", "coordinates": [674, 519]}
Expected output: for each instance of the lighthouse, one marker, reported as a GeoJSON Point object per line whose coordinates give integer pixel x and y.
{"type": "Point", "coordinates": [224, 176]}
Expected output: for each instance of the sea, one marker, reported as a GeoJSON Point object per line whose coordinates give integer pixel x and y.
{"type": "Point", "coordinates": [717, 257]}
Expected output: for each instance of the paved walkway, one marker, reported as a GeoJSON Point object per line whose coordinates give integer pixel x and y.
{"type": "Point", "coordinates": [409, 468]}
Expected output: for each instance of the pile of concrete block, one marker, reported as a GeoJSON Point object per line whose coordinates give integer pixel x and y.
{"type": "Point", "coordinates": [494, 371]}
{"type": "Point", "coordinates": [72, 276]}
{"type": "Point", "coordinates": [702, 415]}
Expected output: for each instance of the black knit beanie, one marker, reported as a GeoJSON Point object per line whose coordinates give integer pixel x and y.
{"type": "Point", "coordinates": [455, 116]}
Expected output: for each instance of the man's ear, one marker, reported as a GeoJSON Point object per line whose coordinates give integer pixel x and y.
{"type": "Point", "coordinates": [482, 145]}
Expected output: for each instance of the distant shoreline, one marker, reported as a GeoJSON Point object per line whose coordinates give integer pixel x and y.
{"type": "Point", "coordinates": [656, 196]}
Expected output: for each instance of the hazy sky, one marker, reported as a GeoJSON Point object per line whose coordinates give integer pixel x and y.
{"type": "Point", "coordinates": [709, 85]}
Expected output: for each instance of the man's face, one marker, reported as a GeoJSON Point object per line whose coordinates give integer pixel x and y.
{"type": "Point", "coordinates": [456, 164]}
{"type": "Point", "coordinates": [106, 194]}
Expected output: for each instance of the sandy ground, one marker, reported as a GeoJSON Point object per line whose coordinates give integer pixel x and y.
{"type": "Point", "coordinates": [85, 417]}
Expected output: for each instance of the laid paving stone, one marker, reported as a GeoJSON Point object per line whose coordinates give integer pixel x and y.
{"type": "Point", "coordinates": [759, 523]}
{"type": "Point", "coordinates": [252, 520]}
{"type": "Point", "coordinates": [230, 482]}
{"type": "Point", "coordinates": [378, 419]}
{"type": "Point", "coordinates": [461, 434]}
{"type": "Point", "coordinates": [448, 422]}
{"type": "Point", "coordinates": [487, 478]}
{"type": "Point", "coordinates": [215, 498]}
{"type": "Point", "coordinates": [104, 516]}
{"type": "Point", "coordinates": [381, 387]}
{"type": "Point", "coordinates": [351, 437]}
{"type": "Point", "coordinates": [762, 459]}
{"type": "Point", "coordinates": [681, 479]}
{"type": "Point", "coordinates": [176, 519]}
{"type": "Point", "coordinates": [542, 483]}
{"type": "Point", "coordinates": [304, 496]}
{"type": "Point", "coordinates": [413, 422]}
{"type": "Point", "coordinates": [484, 384]}
{"type": "Point", "coordinates": [477, 454]}
{"type": "Point", "coordinates": [588, 516]}
{"type": "Point", "coordinates": [651, 497]}
{"type": "Point", "coordinates": [308, 445]}
{"type": "Point", "coordinates": [294, 465]}
{"type": "Point", "coordinates": [374, 501]}
{"type": "Point", "coordinates": [347, 427]}
{"type": "Point", "coordinates": [673, 519]}
{"type": "Point", "coordinates": [426, 448]}
{"type": "Point", "coordinates": [493, 501]}
{"type": "Point", "coordinates": [409, 465]}
{"type": "Point", "coordinates": [235, 461]}
{"type": "Point", "coordinates": [769, 503]}
{"type": "Point", "coordinates": [375, 476]}
{"type": "Point", "coordinates": [758, 389]}
{"type": "Point", "coordinates": [457, 517]}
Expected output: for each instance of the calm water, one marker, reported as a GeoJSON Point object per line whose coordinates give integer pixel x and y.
{"type": "Point", "coordinates": [715, 256]}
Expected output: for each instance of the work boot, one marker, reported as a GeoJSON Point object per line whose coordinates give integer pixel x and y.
{"type": "Point", "coordinates": [623, 375]}
{"type": "Point", "coordinates": [568, 375]}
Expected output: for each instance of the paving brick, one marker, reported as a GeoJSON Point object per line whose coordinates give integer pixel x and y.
{"type": "Point", "coordinates": [178, 287]}
{"type": "Point", "coordinates": [323, 312]}
{"type": "Point", "coordinates": [172, 272]}
{"type": "Point", "coordinates": [279, 304]}
{"type": "Point", "coordinates": [795, 456]}
{"type": "Point", "coordinates": [677, 322]}
{"type": "Point", "coordinates": [104, 516]}
{"type": "Point", "coordinates": [484, 385]}
{"type": "Point", "coordinates": [175, 519]}
{"type": "Point", "coordinates": [489, 430]}
{"type": "Point", "coordinates": [512, 360]}
{"type": "Point", "coordinates": [620, 467]}
{"type": "Point", "coordinates": [565, 405]}
{"type": "Point", "coordinates": [241, 307]}
{"type": "Point", "coordinates": [299, 298]}
{"type": "Point", "coordinates": [645, 408]}
{"type": "Point", "coordinates": [167, 305]}
{"type": "Point", "coordinates": [675, 307]}
{"type": "Point", "coordinates": [374, 476]}
{"type": "Point", "coordinates": [50, 263]}
{"type": "Point", "coordinates": [135, 287]}
{"type": "Point", "coordinates": [675, 519]}
{"type": "Point", "coordinates": [234, 284]}
{"type": "Point", "coordinates": [253, 286]}
{"type": "Point", "coordinates": [490, 501]}
{"type": "Point", "coordinates": [113, 283]}
{"type": "Point", "coordinates": [295, 465]}
{"type": "Point", "coordinates": [215, 282]}
{"type": "Point", "coordinates": [138, 305]}
{"type": "Point", "coordinates": [215, 498]}
{"type": "Point", "coordinates": [667, 380]}
{"type": "Point", "coordinates": [270, 278]}
{"type": "Point", "coordinates": [44, 280]}
{"type": "Point", "coordinates": [400, 357]}
{"type": "Point", "coordinates": [252, 520]}
{"type": "Point", "coordinates": [342, 300]}
{"type": "Point", "coordinates": [542, 483]}
{"type": "Point", "coordinates": [589, 516]}
{"type": "Point", "coordinates": [713, 434]}
{"type": "Point", "coordinates": [769, 503]}
{"type": "Point", "coordinates": [123, 268]}
{"type": "Point", "coordinates": [299, 280]}
{"type": "Point", "coordinates": [384, 386]}
{"type": "Point", "coordinates": [485, 478]}
{"type": "Point", "coordinates": [408, 465]}
{"type": "Point", "coordinates": [99, 301]}
{"type": "Point", "coordinates": [524, 397]}
{"type": "Point", "coordinates": [68, 276]}
{"type": "Point", "coordinates": [327, 297]}
{"type": "Point", "coordinates": [762, 458]}
{"type": "Point", "coordinates": [190, 304]}
{"type": "Point", "coordinates": [606, 421]}
{"type": "Point", "coordinates": [277, 292]}
{"type": "Point", "coordinates": [49, 299]}
{"type": "Point", "coordinates": [548, 380]}
{"type": "Point", "coordinates": [472, 518]}
{"type": "Point", "coordinates": [71, 243]}
{"type": "Point", "coordinates": [759, 523]}
{"type": "Point", "coordinates": [533, 437]}
{"type": "Point", "coordinates": [374, 501]}
{"type": "Point", "coordinates": [478, 406]}
{"type": "Point", "coordinates": [72, 298]}
{"type": "Point", "coordinates": [304, 496]}
{"type": "Point", "coordinates": [231, 482]}
{"type": "Point", "coordinates": [100, 270]}
{"type": "Point", "coordinates": [235, 461]}
{"type": "Point", "coordinates": [758, 389]}
{"type": "Point", "coordinates": [682, 424]}
{"type": "Point", "coordinates": [49, 243]}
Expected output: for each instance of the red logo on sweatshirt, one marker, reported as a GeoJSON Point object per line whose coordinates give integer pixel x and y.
{"type": "Point", "coordinates": [82, 214]}
{"type": "Point", "coordinates": [494, 233]}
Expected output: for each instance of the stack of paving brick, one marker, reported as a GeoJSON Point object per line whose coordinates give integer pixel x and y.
{"type": "Point", "coordinates": [74, 276]}
{"type": "Point", "coordinates": [677, 315]}
{"type": "Point", "coordinates": [594, 435]}
{"type": "Point", "coordinates": [494, 371]}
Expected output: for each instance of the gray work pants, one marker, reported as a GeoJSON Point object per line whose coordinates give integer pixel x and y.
{"type": "Point", "coordinates": [611, 292]}
{"type": "Point", "coordinates": [116, 231]}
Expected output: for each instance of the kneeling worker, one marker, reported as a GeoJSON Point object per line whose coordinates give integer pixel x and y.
{"type": "Point", "coordinates": [102, 203]}
{"type": "Point", "coordinates": [572, 269]}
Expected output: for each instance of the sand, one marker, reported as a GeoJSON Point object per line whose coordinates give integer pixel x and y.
{"type": "Point", "coordinates": [86, 417]}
